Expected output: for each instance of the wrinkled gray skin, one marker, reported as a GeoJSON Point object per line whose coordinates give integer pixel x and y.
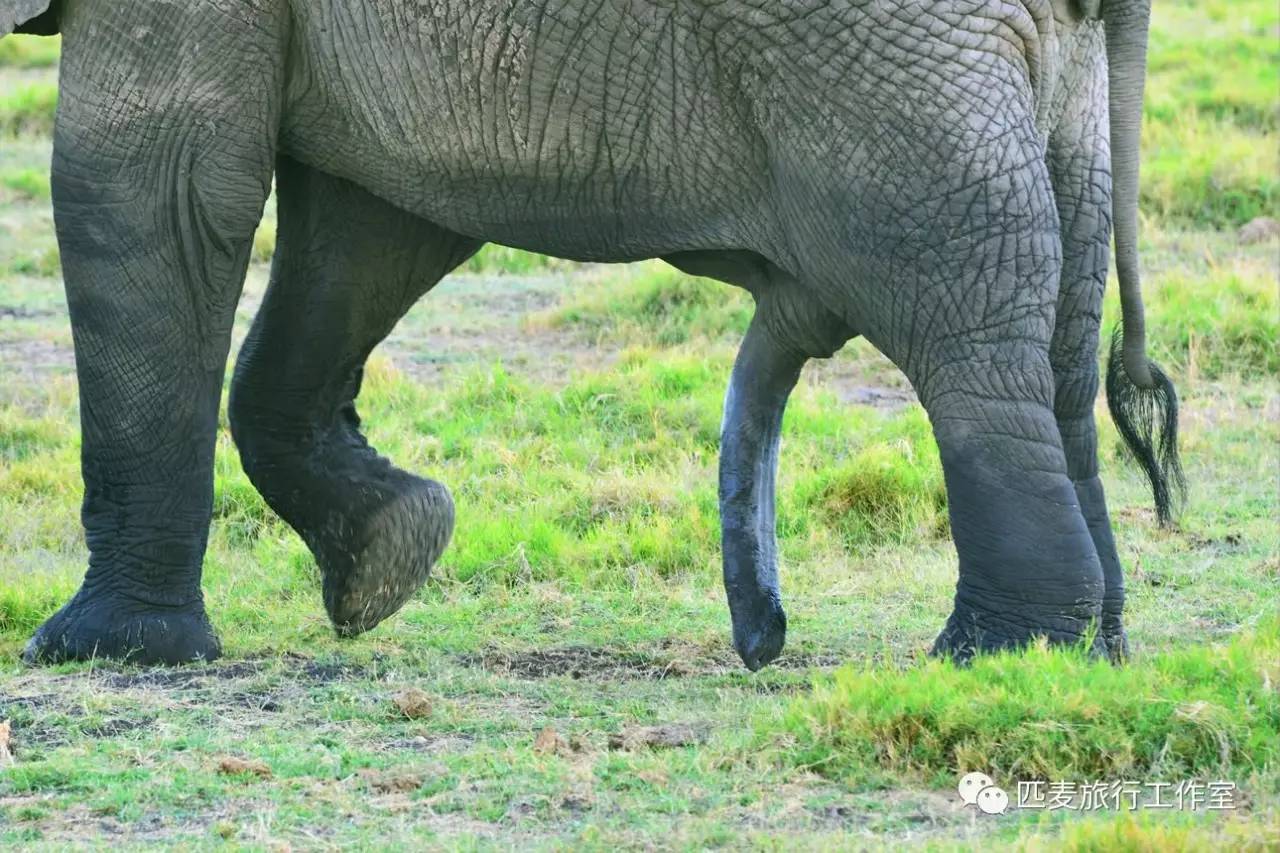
{"type": "Point", "coordinates": [932, 176]}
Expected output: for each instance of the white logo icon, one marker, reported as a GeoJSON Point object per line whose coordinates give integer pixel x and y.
{"type": "Point", "coordinates": [971, 785]}
{"type": "Point", "coordinates": [993, 800]}
{"type": "Point", "coordinates": [977, 789]}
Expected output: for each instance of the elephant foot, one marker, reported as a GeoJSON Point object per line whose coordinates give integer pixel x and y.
{"type": "Point", "coordinates": [1114, 638]}
{"type": "Point", "coordinates": [970, 631]}
{"type": "Point", "coordinates": [373, 565]}
{"type": "Point", "coordinates": [105, 626]}
{"type": "Point", "coordinates": [759, 637]}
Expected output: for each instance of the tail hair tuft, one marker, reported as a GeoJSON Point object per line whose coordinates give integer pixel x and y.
{"type": "Point", "coordinates": [1147, 419]}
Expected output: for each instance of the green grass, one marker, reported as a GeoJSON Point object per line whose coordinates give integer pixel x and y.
{"type": "Point", "coordinates": [1142, 834]}
{"type": "Point", "coordinates": [28, 110]}
{"type": "Point", "coordinates": [493, 258]}
{"type": "Point", "coordinates": [888, 490]}
{"type": "Point", "coordinates": [1211, 157]}
{"type": "Point", "coordinates": [604, 483]}
{"type": "Point", "coordinates": [1213, 308]}
{"type": "Point", "coordinates": [27, 52]}
{"type": "Point", "coordinates": [1201, 172]}
{"type": "Point", "coordinates": [1207, 711]}
{"type": "Point", "coordinates": [586, 521]}
{"type": "Point", "coordinates": [656, 304]}
{"type": "Point", "coordinates": [24, 184]}
{"type": "Point", "coordinates": [44, 263]}
{"type": "Point", "coordinates": [1215, 59]}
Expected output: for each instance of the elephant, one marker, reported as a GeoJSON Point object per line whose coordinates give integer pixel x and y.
{"type": "Point", "coordinates": [941, 178]}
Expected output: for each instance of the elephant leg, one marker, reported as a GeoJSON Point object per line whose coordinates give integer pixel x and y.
{"type": "Point", "coordinates": [1081, 177]}
{"type": "Point", "coordinates": [156, 196]}
{"type": "Point", "coordinates": [1074, 356]}
{"type": "Point", "coordinates": [778, 343]}
{"type": "Point", "coordinates": [1028, 563]}
{"type": "Point", "coordinates": [347, 267]}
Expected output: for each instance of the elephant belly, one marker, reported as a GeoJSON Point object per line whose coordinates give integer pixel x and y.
{"type": "Point", "coordinates": [601, 138]}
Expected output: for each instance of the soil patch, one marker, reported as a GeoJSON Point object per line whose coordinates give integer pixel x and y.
{"type": "Point", "coordinates": [603, 664]}
{"type": "Point", "coordinates": [292, 668]}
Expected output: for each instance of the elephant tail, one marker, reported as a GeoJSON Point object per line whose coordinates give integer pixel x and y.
{"type": "Point", "coordinates": [1141, 398]}
{"type": "Point", "coordinates": [1147, 419]}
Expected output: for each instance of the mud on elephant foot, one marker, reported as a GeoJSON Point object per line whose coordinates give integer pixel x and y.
{"type": "Point", "coordinates": [373, 560]}
{"type": "Point", "coordinates": [94, 625]}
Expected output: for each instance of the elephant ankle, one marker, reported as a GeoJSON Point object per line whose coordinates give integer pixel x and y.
{"type": "Point", "coordinates": [978, 625]}
{"type": "Point", "coordinates": [375, 530]}
{"type": "Point", "coordinates": [1112, 633]}
{"type": "Point", "coordinates": [138, 591]}
{"type": "Point", "coordinates": [127, 628]}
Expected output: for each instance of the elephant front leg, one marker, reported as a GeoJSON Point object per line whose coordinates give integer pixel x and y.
{"type": "Point", "coordinates": [162, 162]}
{"type": "Point", "coordinates": [347, 267]}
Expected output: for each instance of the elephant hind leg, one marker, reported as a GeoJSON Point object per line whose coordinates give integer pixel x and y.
{"type": "Point", "coordinates": [347, 267]}
{"type": "Point", "coordinates": [980, 360]}
{"type": "Point", "coordinates": [1082, 192]}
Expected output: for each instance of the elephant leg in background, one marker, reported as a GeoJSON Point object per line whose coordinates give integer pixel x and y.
{"type": "Point", "coordinates": [347, 267]}
{"type": "Point", "coordinates": [1082, 189]}
{"type": "Point", "coordinates": [764, 374]}
{"type": "Point", "coordinates": [1028, 565]}
{"type": "Point", "coordinates": [155, 215]}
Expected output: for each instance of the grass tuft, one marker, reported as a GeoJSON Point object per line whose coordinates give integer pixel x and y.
{"type": "Point", "coordinates": [24, 185]}
{"type": "Point", "coordinates": [26, 52]}
{"type": "Point", "coordinates": [495, 259]}
{"type": "Point", "coordinates": [1050, 714]}
{"type": "Point", "coordinates": [28, 110]}
{"type": "Point", "coordinates": [658, 305]}
{"type": "Point", "coordinates": [888, 492]}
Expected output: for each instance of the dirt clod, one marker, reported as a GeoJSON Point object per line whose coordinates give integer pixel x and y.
{"type": "Point", "coordinates": [6, 751]}
{"type": "Point", "coordinates": [390, 782]}
{"type": "Point", "coordinates": [233, 766]}
{"type": "Point", "coordinates": [668, 736]}
{"type": "Point", "coordinates": [551, 742]}
{"type": "Point", "coordinates": [1258, 230]}
{"type": "Point", "coordinates": [412, 703]}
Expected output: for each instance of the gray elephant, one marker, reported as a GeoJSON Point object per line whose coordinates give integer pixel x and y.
{"type": "Point", "coordinates": [934, 176]}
